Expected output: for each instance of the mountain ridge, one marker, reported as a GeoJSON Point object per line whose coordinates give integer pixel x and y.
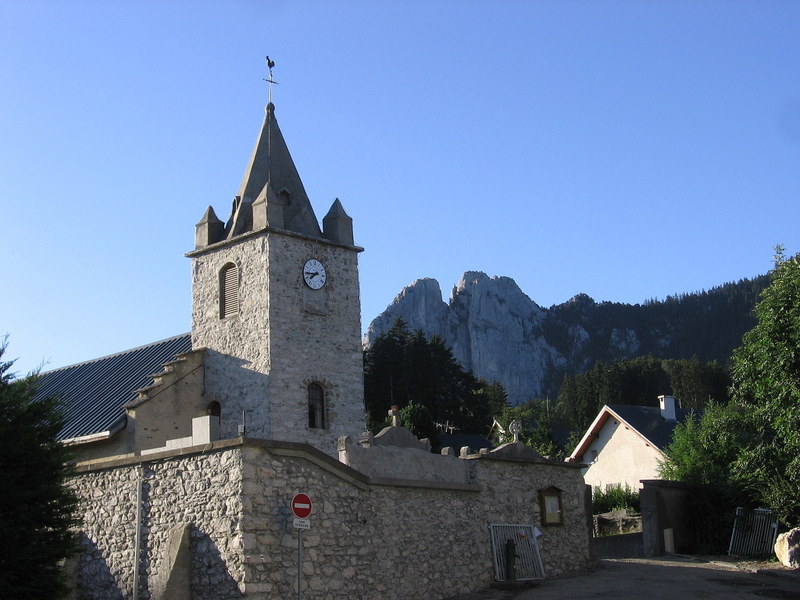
{"type": "Point", "coordinates": [498, 332]}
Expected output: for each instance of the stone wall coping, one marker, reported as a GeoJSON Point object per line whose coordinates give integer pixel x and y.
{"type": "Point", "coordinates": [306, 452]}
{"type": "Point", "coordinates": [544, 463]}
{"type": "Point", "coordinates": [126, 460]}
{"type": "Point", "coordinates": [277, 447]}
{"type": "Point", "coordinates": [313, 455]}
{"type": "Point", "coordinates": [427, 484]}
{"type": "Point", "coordinates": [251, 234]}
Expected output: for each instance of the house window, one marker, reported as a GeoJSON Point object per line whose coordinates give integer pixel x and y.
{"type": "Point", "coordinates": [228, 291]}
{"type": "Point", "coordinates": [316, 406]}
{"type": "Point", "coordinates": [551, 506]}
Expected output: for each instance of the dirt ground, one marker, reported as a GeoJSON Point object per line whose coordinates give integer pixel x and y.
{"type": "Point", "coordinates": [663, 578]}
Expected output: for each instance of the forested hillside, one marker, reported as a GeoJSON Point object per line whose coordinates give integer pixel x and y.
{"type": "Point", "coordinates": [498, 333]}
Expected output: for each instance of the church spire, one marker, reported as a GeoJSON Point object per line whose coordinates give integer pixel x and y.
{"type": "Point", "coordinates": [272, 175]}
{"type": "Point", "coordinates": [271, 185]}
{"type": "Point", "coordinates": [271, 195]}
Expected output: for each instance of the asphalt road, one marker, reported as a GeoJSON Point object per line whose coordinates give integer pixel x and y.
{"type": "Point", "coordinates": [664, 578]}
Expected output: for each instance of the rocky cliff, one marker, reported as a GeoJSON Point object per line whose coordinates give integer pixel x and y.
{"type": "Point", "coordinates": [498, 333]}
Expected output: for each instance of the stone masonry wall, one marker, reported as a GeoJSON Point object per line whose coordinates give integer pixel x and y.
{"type": "Point", "coordinates": [388, 539]}
{"type": "Point", "coordinates": [510, 490]}
{"type": "Point", "coordinates": [203, 490]}
{"type": "Point", "coordinates": [285, 337]}
{"type": "Point", "coordinates": [237, 363]}
{"type": "Point", "coordinates": [315, 337]}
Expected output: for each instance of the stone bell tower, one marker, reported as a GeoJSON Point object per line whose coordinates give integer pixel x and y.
{"type": "Point", "coordinates": [275, 303]}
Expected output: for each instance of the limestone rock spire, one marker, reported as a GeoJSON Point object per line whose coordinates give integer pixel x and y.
{"type": "Point", "coordinates": [271, 178]}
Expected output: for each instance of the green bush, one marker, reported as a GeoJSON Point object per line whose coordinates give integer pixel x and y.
{"type": "Point", "coordinates": [615, 497]}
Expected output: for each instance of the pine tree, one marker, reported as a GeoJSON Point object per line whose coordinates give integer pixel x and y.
{"type": "Point", "coordinates": [423, 377]}
{"type": "Point", "coordinates": [37, 509]}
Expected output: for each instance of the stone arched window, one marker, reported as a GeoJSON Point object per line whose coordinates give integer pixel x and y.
{"type": "Point", "coordinates": [215, 410]}
{"type": "Point", "coordinates": [316, 406]}
{"type": "Point", "coordinates": [228, 291]}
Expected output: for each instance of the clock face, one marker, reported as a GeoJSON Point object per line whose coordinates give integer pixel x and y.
{"type": "Point", "coordinates": [314, 274]}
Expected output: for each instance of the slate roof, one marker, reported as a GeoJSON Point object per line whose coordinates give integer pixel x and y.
{"type": "Point", "coordinates": [94, 392]}
{"type": "Point", "coordinates": [647, 420]}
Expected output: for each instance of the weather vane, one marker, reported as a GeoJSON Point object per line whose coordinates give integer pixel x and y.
{"type": "Point", "coordinates": [269, 79]}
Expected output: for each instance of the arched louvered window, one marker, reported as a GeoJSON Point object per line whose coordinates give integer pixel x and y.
{"type": "Point", "coordinates": [229, 291]}
{"type": "Point", "coordinates": [316, 406]}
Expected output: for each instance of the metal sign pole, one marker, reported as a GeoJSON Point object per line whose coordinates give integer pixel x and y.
{"type": "Point", "coordinates": [137, 544]}
{"type": "Point", "coordinates": [299, 562]}
{"type": "Point", "coordinates": [301, 507]}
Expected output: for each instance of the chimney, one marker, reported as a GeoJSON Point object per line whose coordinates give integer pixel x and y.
{"type": "Point", "coordinates": [667, 406]}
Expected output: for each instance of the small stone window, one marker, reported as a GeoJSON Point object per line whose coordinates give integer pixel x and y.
{"type": "Point", "coordinates": [316, 406]}
{"type": "Point", "coordinates": [551, 506]}
{"type": "Point", "coordinates": [229, 291]}
{"type": "Point", "coordinates": [215, 410]}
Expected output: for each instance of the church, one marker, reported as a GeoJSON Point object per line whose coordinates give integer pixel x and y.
{"type": "Point", "coordinates": [190, 450]}
{"type": "Point", "coordinates": [275, 349]}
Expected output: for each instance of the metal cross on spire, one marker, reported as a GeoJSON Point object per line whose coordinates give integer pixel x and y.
{"type": "Point", "coordinates": [269, 79]}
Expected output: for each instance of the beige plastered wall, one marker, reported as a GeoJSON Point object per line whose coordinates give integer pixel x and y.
{"type": "Point", "coordinates": [623, 457]}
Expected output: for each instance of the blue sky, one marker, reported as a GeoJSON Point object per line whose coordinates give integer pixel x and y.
{"type": "Point", "coordinates": [625, 149]}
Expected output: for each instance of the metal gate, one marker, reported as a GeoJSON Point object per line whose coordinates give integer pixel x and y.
{"type": "Point", "coordinates": [527, 563]}
{"type": "Point", "coordinates": [754, 533]}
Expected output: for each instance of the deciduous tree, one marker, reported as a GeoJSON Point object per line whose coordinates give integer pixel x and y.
{"type": "Point", "coordinates": [704, 447]}
{"type": "Point", "coordinates": [536, 419]}
{"type": "Point", "coordinates": [766, 383]}
{"type": "Point", "coordinates": [753, 444]}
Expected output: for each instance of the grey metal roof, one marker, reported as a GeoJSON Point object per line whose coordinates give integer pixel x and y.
{"type": "Point", "coordinates": [648, 421]}
{"type": "Point", "coordinates": [94, 392]}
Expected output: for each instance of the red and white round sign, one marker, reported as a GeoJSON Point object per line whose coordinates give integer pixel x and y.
{"type": "Point", "coordinates": [301, 506]}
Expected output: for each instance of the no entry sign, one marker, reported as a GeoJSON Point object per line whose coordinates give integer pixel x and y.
{"type": "Point", "coordinates": [301, 506]}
